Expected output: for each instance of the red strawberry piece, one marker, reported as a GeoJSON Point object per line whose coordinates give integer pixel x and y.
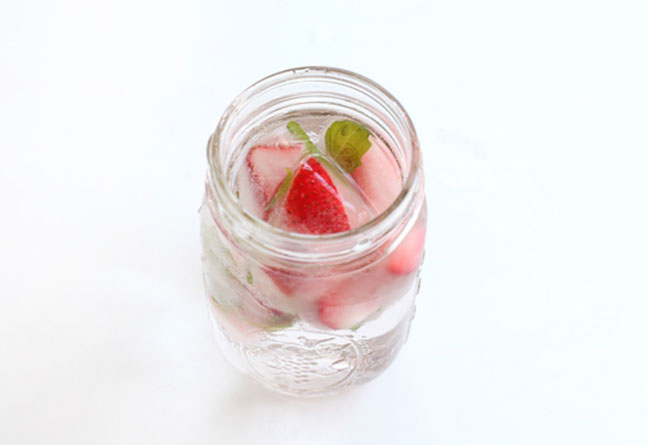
{"type": "Point", "coordinates": [379, 177]}
{"type": "Point", "coordinates": [302, 285]}
{"type": "Point", "coordinates": [313, 204]}
{"type": "Point", "coordinates": [346, 308]}
{"type": "Point", "coordinates": [267, 165]}
{"type": "Point", "coordinates": [407, 256]}
{"type": "Point", "coordinates": [353, 299]}
{"type": "Point", "coordinates": [286, 282]}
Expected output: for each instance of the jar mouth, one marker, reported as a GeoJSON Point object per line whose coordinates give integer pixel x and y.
{"type": "Point", "coordinates": [307, 248]}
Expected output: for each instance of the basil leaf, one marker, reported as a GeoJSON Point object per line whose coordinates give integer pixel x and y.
{"type": "Point", "coordinates": [346, 142]}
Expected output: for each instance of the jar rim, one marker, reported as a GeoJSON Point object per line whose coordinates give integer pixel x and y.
{"type": "Point", "coordinates": [378, 227]}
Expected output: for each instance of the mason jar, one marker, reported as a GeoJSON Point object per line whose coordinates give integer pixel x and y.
{"type": "Point", "coordinates": [273, 293]}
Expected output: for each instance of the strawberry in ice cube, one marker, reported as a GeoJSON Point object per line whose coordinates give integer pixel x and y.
{"type": "Point", "coordinates": [379, 177]}
{"type": "Point", "coordinates": [313, 204]}
{"type": "Point", "coordinates": [266, 167]}
{"type": "Point", "coordinates": [408, 255]}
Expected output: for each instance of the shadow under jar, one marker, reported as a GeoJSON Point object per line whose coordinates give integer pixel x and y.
{"type": "Point", "coordinates": [312, 314]}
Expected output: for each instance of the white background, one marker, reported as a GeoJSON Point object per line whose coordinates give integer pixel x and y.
{"type": "Point", "coordinates": [531, 325]}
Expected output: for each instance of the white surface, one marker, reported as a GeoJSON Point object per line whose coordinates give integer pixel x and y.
{"type": "Point", "coordinates": [531, 324]}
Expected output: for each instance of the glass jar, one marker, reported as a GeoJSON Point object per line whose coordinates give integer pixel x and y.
{"type": "Point", "coordinates": [311, 314]}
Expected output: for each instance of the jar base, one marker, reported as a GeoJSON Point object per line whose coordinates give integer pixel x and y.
{"type": "Point", "coordinates": [305, 361]}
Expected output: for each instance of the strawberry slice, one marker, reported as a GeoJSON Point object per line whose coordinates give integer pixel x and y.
{"type": "Point", "coordinates": [287, 282]}
{"type": "Point", "coordinates": [379, 177]}
{"type": "Point", "coordinates": [313, 204]}
{"type": "Point", "coordinates": [352, 300]}
{"type": "Point", "coordinates": [344, 310]}
{"type": "Point", "coordinates": [407, 256]}
{"type": "Point", "coordinates": [267, 166]}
